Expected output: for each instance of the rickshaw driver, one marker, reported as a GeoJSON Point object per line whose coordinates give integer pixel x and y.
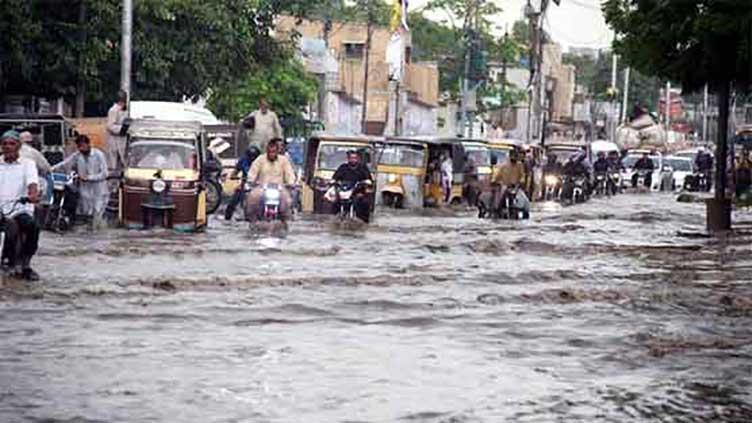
{"type": "Point", "coordinates": [270, 168]}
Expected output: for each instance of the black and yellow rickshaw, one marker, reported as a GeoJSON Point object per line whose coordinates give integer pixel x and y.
{"type": "Point", "coordinates": [471, 167]}
{"type": "Point", "coordinates": [401, 169]}
{"type": "Point", "coordinates": [323, 155]}
{"type": "Point", "coordinates": [162, 182]}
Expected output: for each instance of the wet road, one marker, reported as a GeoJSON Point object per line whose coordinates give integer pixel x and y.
{"type": "Point", "coordinates": [615, 311]}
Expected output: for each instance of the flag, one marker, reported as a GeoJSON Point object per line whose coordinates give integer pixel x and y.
{"type": "Point", "coordinates": [399, 16]}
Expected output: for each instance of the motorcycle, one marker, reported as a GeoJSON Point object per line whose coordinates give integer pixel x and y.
{"type": "Point", "coordinates": [11, 205]}
{"type": "Point", "coordinates": [574, 189]}
{"type": "Point", "coordinates": [62, 209]}
{"type": "Point", "coordinates": [615, 182]}
{"type": "Point", "coordinates": [602, 185]}
{"type": "Point", "coordinates": [270, 213]}
{"type": "Point", "coordinates": [642, 179]}
{"type": "Point", "coordinates": [212, 180]}
{"type": "Point", "coordinates": [507, 207]}
{"type": "Point", "coordinates": [345, 195]}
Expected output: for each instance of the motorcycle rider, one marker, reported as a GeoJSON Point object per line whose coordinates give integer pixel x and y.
{"type": "Point", "coordinates": [508, 174]}
{"type": "Point", "coordinates": [270, 168]}
{"type": "Point", "coordinates": [704, 165]}
{"type": "Point", "coordinates": [18, 179]}
{"type": "Point", "coordinates": [242, 166]}
{"type": "Point", "coordinates": [645, 163]}
{"type": "Point", "coordinates": [351, 173]}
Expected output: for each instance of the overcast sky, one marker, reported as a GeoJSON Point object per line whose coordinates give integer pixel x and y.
{"type": "Point", "coordinates": [576, 23]}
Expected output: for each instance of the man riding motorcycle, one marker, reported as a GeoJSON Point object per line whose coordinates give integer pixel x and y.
{"type": "Point", "coordinates": [644, 164]}
{"type": "Point", "coordinates": [349, 174]}
{"type": "Point", "coordinates": [507, 176]}
{"type": "Point", "coordinates": [603, 167]}
{"type": "Point", "coordinates": [243, 166]}
{"type": "Point", "coordinates": [704, 165]}
{"type": "Point", "coordinates": [270, 168]}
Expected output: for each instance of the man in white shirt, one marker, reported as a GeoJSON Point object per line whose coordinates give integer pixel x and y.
{"type": "Point", "coordinates": [29, 152]}
{"type": "Point", "coordinates": [18, 180]}
{"type": "Point", "coordinates": [116, 142]}
{"type": "Point", "coordinates": [265, 125]}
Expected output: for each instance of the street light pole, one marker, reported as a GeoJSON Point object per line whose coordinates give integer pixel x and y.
{"type": "Point", "coordinates": [125, 47]}
{"type": "Point", "coordinates": [626, 95]}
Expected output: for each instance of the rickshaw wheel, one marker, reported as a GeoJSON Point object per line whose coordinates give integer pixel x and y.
{"type": "Point", "coordinates": [213, 197]}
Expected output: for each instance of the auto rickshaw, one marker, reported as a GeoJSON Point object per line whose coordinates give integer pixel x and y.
{"type": "Point", "coordinates": [499, 149]}
{"type": "Point", "coordinates": [401, 173]}
{"type": "Point", "coordinates": [323, 155]}
{"type": "Point", "coordinates": [471, 166]}
{"type": "Point", "coordinates": [162, 183]}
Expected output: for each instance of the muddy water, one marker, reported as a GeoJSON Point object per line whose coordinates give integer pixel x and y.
{"type": "Point", "coordinates": [615, 311]}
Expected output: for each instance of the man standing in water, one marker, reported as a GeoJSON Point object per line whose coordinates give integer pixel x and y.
{"type": "Point", "coordinates": [264, 125]}
{"type": "Point", "coordinates": [115, 141]}
{"type": "Point", "coordinates": [91, 166]}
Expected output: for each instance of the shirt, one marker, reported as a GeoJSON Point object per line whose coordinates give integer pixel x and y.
{"type": "Point", "coordinates": [31, 153]}
{"type": "Point", "coordinates": [265, 128]}
{"type": "Point", "coordinates": [509, 173]}
{"type": "Point", "coordinates": [349, 174]}
{"type": "Point", "coordinates": [93, 192]}
{"type": "Point", "coordinates": [15, 179]}
{"type": "Point", "coordinates": [264, 171]}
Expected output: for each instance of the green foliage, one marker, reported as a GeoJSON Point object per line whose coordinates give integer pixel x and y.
{"type": "Point", "coordinates": [180, 47]}
{"type": "Point", "coordinates": [284, 83]}
{"type": "Point", "coordinates": [690, 42]}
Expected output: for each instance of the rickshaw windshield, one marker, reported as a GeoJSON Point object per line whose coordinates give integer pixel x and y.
{"type": "Point", "coordinates": [499, 156]}
{"type": "Point", "coordinates": [331, 156]}
{"type": "Point", "coordinates": [403, 155]}
{"type": "Point", "coordinates": [480, 156]}
{"type": "Point", "coordinates": [162, 154]}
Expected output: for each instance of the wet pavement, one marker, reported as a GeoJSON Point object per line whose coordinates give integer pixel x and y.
{"type": "Point", "coordinates": [619, 310]}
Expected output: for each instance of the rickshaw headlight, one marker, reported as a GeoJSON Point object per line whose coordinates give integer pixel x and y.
{"type": "Point", "coordinates": [552, 180]}
{"type": "Point", "coordinates": [158, 186]}
{"type": "Point", "coordinates": [391, 178]}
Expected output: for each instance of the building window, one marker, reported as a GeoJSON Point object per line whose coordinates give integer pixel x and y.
{"type": "Point", "coordinates": [354, 50]}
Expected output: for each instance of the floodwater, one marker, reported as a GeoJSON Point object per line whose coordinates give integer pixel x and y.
{"type": "Point", "coordinates": [618, 310]}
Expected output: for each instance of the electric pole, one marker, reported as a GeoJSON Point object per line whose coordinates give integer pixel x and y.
{"type": "Point", "coordinates": [471, 6]}
{"type": "Point", "coordinates": [668, 107]}
{"type": "Point", "coordinates": [367, 52]}
{"type": "Point", "coordinates": [626, 95]}
{"type": "Point", "coordinates": [705, 114]}
{"type": "Point", "coordinates": [125, 48]}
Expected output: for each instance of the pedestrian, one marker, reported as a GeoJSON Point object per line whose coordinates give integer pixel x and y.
{"type": "Point", "coordinates": [264, 125]}
{"type": "Point", "coordinates": [115, 140]}
{"type": "Point", "coordinates": [18, 179]}
{"type": "Point", "coordinates": [91, 166]}
{"type": "Point", "coordinates": [447, 175]}
{"type": "Point", "coordinates": [29, 152]}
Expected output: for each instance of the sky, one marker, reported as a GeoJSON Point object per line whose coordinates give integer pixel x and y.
{"type": "Point", "coordinates": [576, 23]}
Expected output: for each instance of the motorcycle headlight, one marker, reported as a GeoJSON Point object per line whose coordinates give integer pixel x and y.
{"type": "Point", "coordinates": [391, 178]}
{"type": "Point", "coordinates": [158, 186]}
{"type": "Point", "coordinates": [272, 194]}
{"type": "Point", "coordinates": [551, 180]}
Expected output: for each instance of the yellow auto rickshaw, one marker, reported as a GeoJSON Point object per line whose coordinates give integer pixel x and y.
{"type": "Point", "coordinates": [401, 173]}
{"type": "Point", "coordinates": [162, 184]}
{"type": "Point", "coordinates": [323, 155]}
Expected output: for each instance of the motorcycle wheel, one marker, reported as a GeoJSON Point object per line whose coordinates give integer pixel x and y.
{"type": "Point", "coordinates": [213, 196]}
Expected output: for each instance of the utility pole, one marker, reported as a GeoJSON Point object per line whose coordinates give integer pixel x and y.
{"type": "Point", "coordinates": [705, 115]}
{"type": "Point", "coordinates": [472, 6]}
{"type": "Point", "coordinates": [626, 96]}
{"type": "Point", "coordinates": [80, 83]}
{"type": "Point", "coordinates": [532, 23]}
{"type": "Point", "coordinates": [125, 48]}
{"type": "Point", "coordinates": [668, 106]}
{"type": "Point", "coordinates": [542, 98]}
{"type": "Point", "coordinates": [367, 52]}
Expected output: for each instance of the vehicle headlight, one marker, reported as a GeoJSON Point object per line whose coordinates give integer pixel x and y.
{"type": "Point", "coordinates": [158, 186]}
{"type": "Point", "coordinates": [391, 178]}
{"type": "Point", "coordinates": [272, 194]}
{"type": "Point", "coordinates": [552, 180]}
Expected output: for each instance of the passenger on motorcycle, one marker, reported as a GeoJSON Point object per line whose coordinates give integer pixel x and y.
{"type": "Point", "coordinates": [18, 179]}
{"type": "Point", "coordinates": [243, 166]}
{"type": "Point", "coordinates": [351, 173]}
{"type": "Point", "coordinates": [508, 175]}
{"type": "Point", "coordinates": [645, 164]}
{"type": "Point", "coordinates": [270, 168]}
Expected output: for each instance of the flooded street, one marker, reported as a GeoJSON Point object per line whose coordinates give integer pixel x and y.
{"type": "Point", "coordinates": [618, 310]}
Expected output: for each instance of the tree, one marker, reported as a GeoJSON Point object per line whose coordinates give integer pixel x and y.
{"type": "Point", "coordinates": [284, 83]}
{"type": "Point", "coordinates": [181, 48]}
{"type": "Point", "coordinates": [705, 42]}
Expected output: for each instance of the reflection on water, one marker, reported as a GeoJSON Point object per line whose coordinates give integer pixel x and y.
{"type": "Point", "coordinates": [617, 310]}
